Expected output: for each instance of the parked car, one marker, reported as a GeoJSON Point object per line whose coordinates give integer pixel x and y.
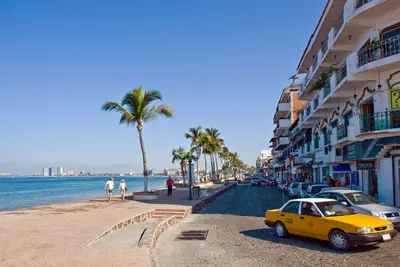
{"type": "Point", "coordinates": [286, 186]}
{"type": "Point", "coordinates": [329, 188]}
{"type": "Point", "coordinates": [363, 203]}
{"type": "Point", "coordinates": [328, 220]}
{"type": "Point", "coordinates": [281, 184]}
{"type": "Point", "coordinates": [293, 189]}
{"type": "Point", "coordinates": [302, 189]}
{"type": "Point", "coordinates": [272, 182]}
{"type": "Point", "coordinates": [255, 181]}
{"type": "Point", "coordinates": [315, 189]}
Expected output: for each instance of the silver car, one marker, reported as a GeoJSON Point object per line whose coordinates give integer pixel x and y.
{"type": "Point", "coordinates": [293, 189]}
{"type": "Point", "coordinates": [362, 203]}
{"type": "Point", "coordinates": [315, 189]}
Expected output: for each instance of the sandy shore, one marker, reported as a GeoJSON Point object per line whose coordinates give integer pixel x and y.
{"type": "Point", "coordinates": [55, 235]}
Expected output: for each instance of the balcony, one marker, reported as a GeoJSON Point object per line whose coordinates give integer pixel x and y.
{"type": "Point", "coordinates": [281, 143]}
{"type": "Point", "coordinates": [282, 126]}
{"type": "Point", "coordinates": [379, 121]}
{"type": "Point", "coordinates": [282, 110]}
{"type": "Point", "coordinates": [341, 73]}
{"type": "Point", "coordinates": [360, 3]}
{"type": "Point", "coordinates": [379, 50]}
{"type": "Point", "coordinates": [366, 12]}
{"type": "Point", "coordinates": [341, 132]}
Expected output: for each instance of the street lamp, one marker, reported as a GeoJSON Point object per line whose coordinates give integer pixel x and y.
{"type": "Point", "coordinates": [190, 159]}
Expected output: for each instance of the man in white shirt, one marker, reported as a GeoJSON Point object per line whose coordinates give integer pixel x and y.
{"type": "Point", "coordinates": [109, 186]}
{"type": "Point", "coordinates": [123, 188]}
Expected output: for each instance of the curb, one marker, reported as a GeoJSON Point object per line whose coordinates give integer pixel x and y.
{"type": "Point", "coordinates": [136, 219]}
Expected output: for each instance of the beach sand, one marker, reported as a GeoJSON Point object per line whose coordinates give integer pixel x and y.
{"type": "Point", "coordinates": [56, 235]}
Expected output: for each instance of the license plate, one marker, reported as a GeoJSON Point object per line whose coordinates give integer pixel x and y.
{"type": "Point", "coordinates": [386, 237]}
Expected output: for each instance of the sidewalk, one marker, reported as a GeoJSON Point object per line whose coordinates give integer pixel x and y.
{"type": "Point", "coordinates": [56, 235]}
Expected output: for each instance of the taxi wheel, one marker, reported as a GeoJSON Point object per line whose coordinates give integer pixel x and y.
{"type": "Point", "coordinates": [280, 230]}
{"type": "Point", "coordinates": [339, 240]}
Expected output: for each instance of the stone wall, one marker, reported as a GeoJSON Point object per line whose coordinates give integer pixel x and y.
{"type": "Point", "coordinates": [136, 219]}
{"type": "Point", "coordinates": [211, 199]}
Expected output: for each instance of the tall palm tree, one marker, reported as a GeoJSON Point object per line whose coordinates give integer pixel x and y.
{"type": "Point", "coordinates": [195, 134]}
{"type": "Point", "coordinates": [136, 110]}
{"type": "Point", "coordinates": [183, 161]}
{"type": "Point", "coordinates": [204, 143]}
{"type": "Point", "coordinates": [294, 77]}
{"type": "Point", "coordinates": [214, 145]}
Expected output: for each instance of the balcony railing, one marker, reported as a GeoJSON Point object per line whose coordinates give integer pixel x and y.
{"type": "Point", "coordinates": [307, 111]}
{"type": "Point", "coordinates": [316, 142]}
{"type": "Point", "coordinates": [315, 63]}
{"type": "Point", "coordinates": [327, 88]}
{"type": "Point", "coordinates": [379, 121]}
{"type": "Point", "coordinates": [378, 50]}
{"type": "Point", "coordinates": [324, 47]}
{"type": "Point", "coordinates": [316, 102]}
{"type": "Point", "coordinates": [341, 131]}
{"type": "Point", "coordinates": [338, 25]}
{"type": "Point", "coordinates": [341, 74]}
{"type": "Point", "coordinates": [308, 146]}
{"type": "Point", "coordinates": [360, 3]}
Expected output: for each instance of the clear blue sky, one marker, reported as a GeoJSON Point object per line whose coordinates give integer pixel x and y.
{"type": "Point", "coordinates": [219, 63]}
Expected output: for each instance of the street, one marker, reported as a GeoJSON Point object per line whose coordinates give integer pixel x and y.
{"type": "Point", "coordinates": [238, 237]}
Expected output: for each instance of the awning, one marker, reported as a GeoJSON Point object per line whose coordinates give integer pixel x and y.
{"type": "Point", "coordinates": [344, 167]}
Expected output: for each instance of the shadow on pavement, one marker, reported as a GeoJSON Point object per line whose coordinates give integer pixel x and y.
{"type": "Point", "coordinates": [268, 235]}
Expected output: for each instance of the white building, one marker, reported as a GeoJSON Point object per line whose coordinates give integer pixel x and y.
{"type": "Point", "coordinates": [60, 171]}
{"type": "Point", "coordinates": [350, 126]}
{"type": "Point", "coordinates": [45, 172]}
{"type": "Point", "coordinates": [265, 153]}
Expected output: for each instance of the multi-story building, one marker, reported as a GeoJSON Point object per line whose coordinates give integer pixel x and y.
{"type": "Point", "coordinates": [60, 171]}
{"type": "Point", "coordinates": [350, 126]}
{"type": "Point", "coordinates": [45, 172]}
{"type": "Point", "coordinates": [286, 113]}
{"type": "Point", "coordinates": [264, 161]}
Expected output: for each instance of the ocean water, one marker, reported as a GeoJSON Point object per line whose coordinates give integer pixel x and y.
{"type": "Point", "coordinates": [25, 192]}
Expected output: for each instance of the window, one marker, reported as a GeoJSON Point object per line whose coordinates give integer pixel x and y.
{"type": "Point", "coordinates": [324, 195]}
{"type": "Point", "coordinates": [292, 207]}
{"type": "Point", "coordinates": [309, 209]}
{"type": "Point", "coordinates": [361, 198]}
{"type": "Point", "coordinates": [339, 198]}
{"type": "Point", "coordinates": [333, 208]}
{"type": "Point", "coordinates": [334, 123]}
{"type": "Point", "coordinates": [347, 118]}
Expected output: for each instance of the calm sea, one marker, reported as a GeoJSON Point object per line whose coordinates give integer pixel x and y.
{"type": "Point", "coordinates": [24, 192]}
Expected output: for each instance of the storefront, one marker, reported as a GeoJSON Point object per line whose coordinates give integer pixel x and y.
{"type": "Point", "coordinates": [377, 162]}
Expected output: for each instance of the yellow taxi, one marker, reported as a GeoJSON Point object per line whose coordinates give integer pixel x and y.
{"type": "Point", "coordinates": [329, 220]}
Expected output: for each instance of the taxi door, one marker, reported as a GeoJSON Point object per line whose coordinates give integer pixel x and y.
{"type": "Point", "coordinates": [290, 217]}
{"type": "Point", "coordinates": [313, 226]}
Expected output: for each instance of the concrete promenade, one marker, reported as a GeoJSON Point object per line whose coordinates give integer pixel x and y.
{"type": "Point", "coordinates": [56, 235]}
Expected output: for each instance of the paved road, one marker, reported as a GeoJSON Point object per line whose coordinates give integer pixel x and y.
{"type": "Point", "coordinates": [238, 237]}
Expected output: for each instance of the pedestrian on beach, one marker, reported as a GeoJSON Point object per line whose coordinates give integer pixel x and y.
{"type": "Point", "coordinates": [123, 188]}
{"type": "Point", "coordinates": [170, 183]}
{"type": "Point", "coordinates": [109, 187]}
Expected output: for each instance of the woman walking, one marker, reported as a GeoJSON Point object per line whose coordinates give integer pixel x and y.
{"type": "Point", "coordinates": [123, 188]}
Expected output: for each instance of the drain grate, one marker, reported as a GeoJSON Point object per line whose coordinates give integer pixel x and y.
{"type": "Point", "coordinates": [193, 235]}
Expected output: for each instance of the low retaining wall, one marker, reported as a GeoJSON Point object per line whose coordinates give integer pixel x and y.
{"type": "Point", "coordinates": [136, 219]}
{"type": "Point", "coordinates": [210, 199]}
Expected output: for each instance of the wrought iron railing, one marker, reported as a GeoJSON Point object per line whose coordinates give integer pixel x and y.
{"type": "Point", "coordinates": [316, 102]}
{"type": "Point", "coordinates": [341, 131]}
{"type": "Point", "coordinates": [360, 3]}
{"type": "Point", "coordinates": [338, 25]}
{"type": "Point", "coordinates": [316, 142]}
{"type": "Point", "coordinates": [308, 147]}
{"type": "Point", "coordinates": [378, 50]}
{"type": "Point", "coordinates": [379, 121]}
{"type": "Point", "coordinates": [315, 63]}
{"type": "Point", "coordinates": [324, 47]}
{"type": "Point", "coordinates": [307, 111]}
{"type": "Point", "coordinates": [341, 73]}
{"type": "Point", "coordinates": [327, 88]}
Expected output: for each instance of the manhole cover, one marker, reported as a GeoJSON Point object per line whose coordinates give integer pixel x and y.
{"type": "Point", "coordinates": [193, 235]}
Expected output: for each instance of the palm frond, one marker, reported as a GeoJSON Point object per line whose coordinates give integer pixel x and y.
{"type": "Point", "coordinates": [159, 110]}
{"type": "Point", "coordinates": [126, 116]}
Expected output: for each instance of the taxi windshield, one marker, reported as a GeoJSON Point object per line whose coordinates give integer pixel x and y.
{"type": "Point", "coordinates": [333, 208]}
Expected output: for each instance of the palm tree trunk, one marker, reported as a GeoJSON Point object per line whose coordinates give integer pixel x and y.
{"type": "Point", "coordinates": [212, 164]}
{"type": "Point", "coordinates": [140, 127]}
{"type": "Point", "coordinates": [205, 165]}
{"type": "Point", "coordinates": [183, 173]}
{"type": "Point", "coordinates": [216, 162]}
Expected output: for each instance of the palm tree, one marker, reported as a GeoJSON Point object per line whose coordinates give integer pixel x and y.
{"type": "Point", "coordinates": [195, 134]}
{"type": "Point", "coordinates": [135, 109]}
{"type": "Point", "coordinates": [294, 77]}
{"type": "Point", "coordinates": [183, 161]}
{"type": "Point", "coordinates": [214, 145]}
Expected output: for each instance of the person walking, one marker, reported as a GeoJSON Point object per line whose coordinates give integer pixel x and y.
{"type": "Point", "coordinates": [170, 183]}
{"type": "Point", "coordinates": [109, 187]}
{"type": "Point", "coordinates": [123, 188]}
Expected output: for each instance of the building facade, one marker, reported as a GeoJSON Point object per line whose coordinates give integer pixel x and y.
{"type": "Point", "coordinates": [285, 115]}
{"type": "Point", "coordinates": [45, 172]}
{"type": "Point", "coordinates": [349, 127]}
{"type": "Point", "coordinates": [60, 171]}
